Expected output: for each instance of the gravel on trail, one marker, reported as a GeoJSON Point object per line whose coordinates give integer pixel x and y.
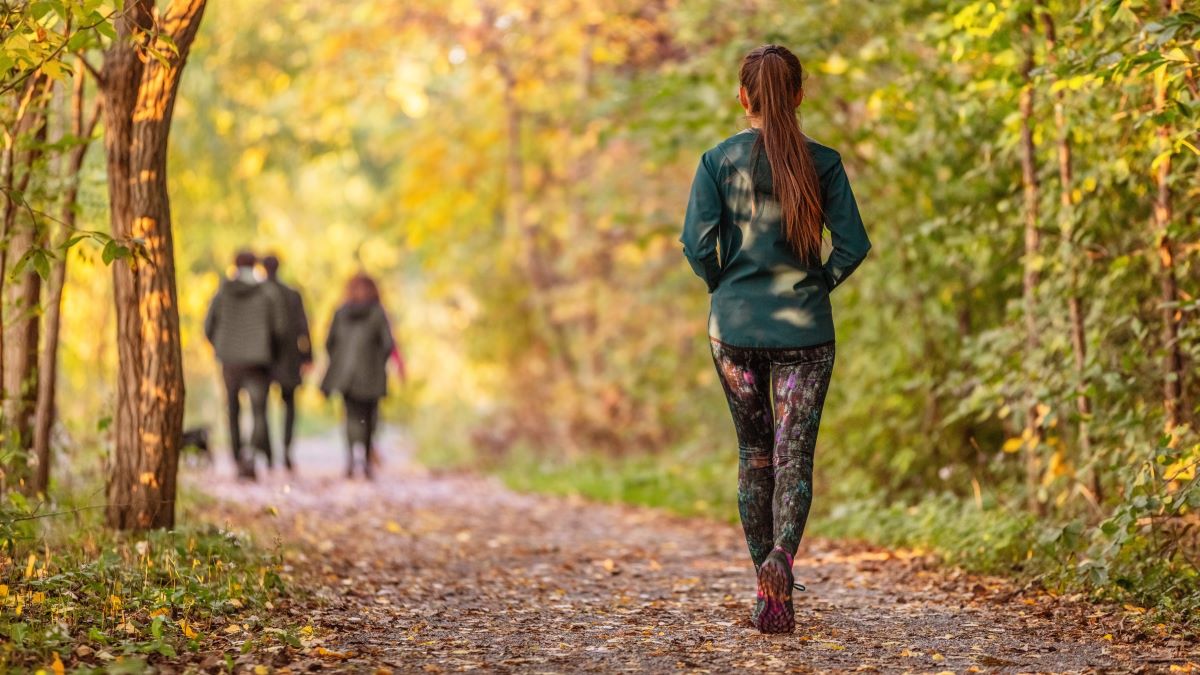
{"type": "Point", "coordinates": [417, 572]}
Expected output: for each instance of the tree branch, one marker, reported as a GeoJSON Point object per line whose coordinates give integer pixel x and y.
{"type": "Point", "coordinates": [91, 69]}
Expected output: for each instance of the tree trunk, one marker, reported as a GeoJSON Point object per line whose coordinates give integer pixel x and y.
{"type": "Point", "coordinates": [139, 98]}
{"type": "Point", "coordinates": [48, 364]}
{"type": "Point", "coordinates": [1029, 181]}
{"type": "Point", "coordinates": [519, 227]}
{"type": "Point", "coordinates": [22, 294]}
{"type": "Point", "coordinates": [526, 233]}
{"type": "Point", "coordinates": [1078, 332]}
{"type": "Point", "coordinates": [18, 346]}
{"type": "Point", "coordinates": [1168, 285]}
{"type": "Point", "coordinates": [9, 182]}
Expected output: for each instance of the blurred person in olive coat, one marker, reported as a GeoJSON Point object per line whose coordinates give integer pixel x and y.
{"type": "Point", "coordinates": [359, 344]}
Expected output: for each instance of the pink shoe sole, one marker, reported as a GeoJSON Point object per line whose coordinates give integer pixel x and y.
{"type": "Point", "coordinates": [775, 589]}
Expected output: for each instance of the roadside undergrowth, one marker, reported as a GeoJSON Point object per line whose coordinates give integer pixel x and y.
{"type": "Point", "coordinates": [77, 597]}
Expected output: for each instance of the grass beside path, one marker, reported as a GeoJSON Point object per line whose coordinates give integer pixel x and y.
{"type": "Point", "coordinates": [77, 597]}
{"type": "Point", "coordinates": [680, 482]}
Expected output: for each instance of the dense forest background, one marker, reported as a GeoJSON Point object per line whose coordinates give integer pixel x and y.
{"type": "Point", "coordinates": [1015, 385]}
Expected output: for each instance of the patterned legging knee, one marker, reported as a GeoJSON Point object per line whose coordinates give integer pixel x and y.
{"type": "Point", "coordinates": [776, 397]}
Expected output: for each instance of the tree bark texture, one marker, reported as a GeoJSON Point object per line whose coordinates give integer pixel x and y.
{"type": "Point", "coordinates": [139, 96]}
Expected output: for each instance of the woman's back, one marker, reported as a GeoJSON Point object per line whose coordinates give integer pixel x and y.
{"type": "Point", "coordinates": [763, 293]}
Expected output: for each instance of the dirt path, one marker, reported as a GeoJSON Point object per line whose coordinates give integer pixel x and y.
{"type": "Point", "coordinates": [424, 573]}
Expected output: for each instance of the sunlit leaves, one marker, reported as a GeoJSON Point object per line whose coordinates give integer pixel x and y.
{"type": "Point", "coordinates": [44, 35]}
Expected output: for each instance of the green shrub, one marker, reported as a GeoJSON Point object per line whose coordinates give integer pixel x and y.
{"type": "Point", "coordinates": [71, 589]}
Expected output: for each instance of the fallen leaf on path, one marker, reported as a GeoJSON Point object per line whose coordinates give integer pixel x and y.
{"type": "Point", "coordinates": [330, 654]}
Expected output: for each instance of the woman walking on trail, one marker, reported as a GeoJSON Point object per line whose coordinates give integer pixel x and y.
{"type": "Point", "coordinates": [753, 232]}
{"type": "Point", "coordinates": [359, 344]}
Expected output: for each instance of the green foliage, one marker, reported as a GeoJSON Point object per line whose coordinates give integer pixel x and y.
{"type": "Point", "coordinates": [73, 592]}
{"type": "Point", "coordinates": [687, 482]}
{"type": "Point", "coordinates": [44, 35]}
{"type": "Point", "coordinates": [989, 539]}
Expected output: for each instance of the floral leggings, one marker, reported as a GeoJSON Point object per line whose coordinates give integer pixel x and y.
{"type": "Point", "coordinates": [775, 396]}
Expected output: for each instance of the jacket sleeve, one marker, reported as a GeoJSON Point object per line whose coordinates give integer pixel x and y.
{"type": "Point", "coordinates": [849, 236]}
{"type": "Point", "coordinates": [701, 225]}
{"type": "Point", "coordinates": [210, 319]}
{"type": "Point", "coordinates": [387, 343]}
{"type": "Point", "coordinates": [303, 337]}
{"type": "Point", "coordinates": [331, 336]}
{"type": "Point", "coordinates": [277, 314]}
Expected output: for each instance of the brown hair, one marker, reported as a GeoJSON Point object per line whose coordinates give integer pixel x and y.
{"type": "Point", "coordinates": [244, 258]}
{"type": "Point", "coordinates": [361, 289]}
{"type": "Point", "coordinates": [773, 77]}
{"type": "Point", "coordinates": [270, 263]}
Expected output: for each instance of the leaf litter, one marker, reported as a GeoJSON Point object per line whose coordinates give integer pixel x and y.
{"type": "Point", "coordinates": [448, 572]}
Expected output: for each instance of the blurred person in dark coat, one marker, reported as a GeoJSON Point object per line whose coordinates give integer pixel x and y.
{"type": "Point", "coordinates": [245, 324]}
{"type": "Point", "coordinates": [294, 353]}
{"type": "Point", "coordinates": [359, 344]}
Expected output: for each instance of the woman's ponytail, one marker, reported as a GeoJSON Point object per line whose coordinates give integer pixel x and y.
{"type": "Point", "coordinates": [773, 78]}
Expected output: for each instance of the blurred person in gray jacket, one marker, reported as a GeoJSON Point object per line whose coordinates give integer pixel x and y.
{"type": "Point", "coordinates": [245, 324]}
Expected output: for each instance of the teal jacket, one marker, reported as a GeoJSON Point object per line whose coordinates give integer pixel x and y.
{"type": "Point", "coordinates": [763, 294]}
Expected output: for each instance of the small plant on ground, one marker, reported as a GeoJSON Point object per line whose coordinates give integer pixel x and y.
{"type": "Point", "coordinates": [76, 596]}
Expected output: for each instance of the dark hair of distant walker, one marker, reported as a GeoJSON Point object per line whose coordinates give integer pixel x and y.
{"type": "Point", "coordinates": [245, 259]}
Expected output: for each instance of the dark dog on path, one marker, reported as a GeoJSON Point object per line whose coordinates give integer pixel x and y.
{"type": "Point", "coordinates": [194, 443]}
